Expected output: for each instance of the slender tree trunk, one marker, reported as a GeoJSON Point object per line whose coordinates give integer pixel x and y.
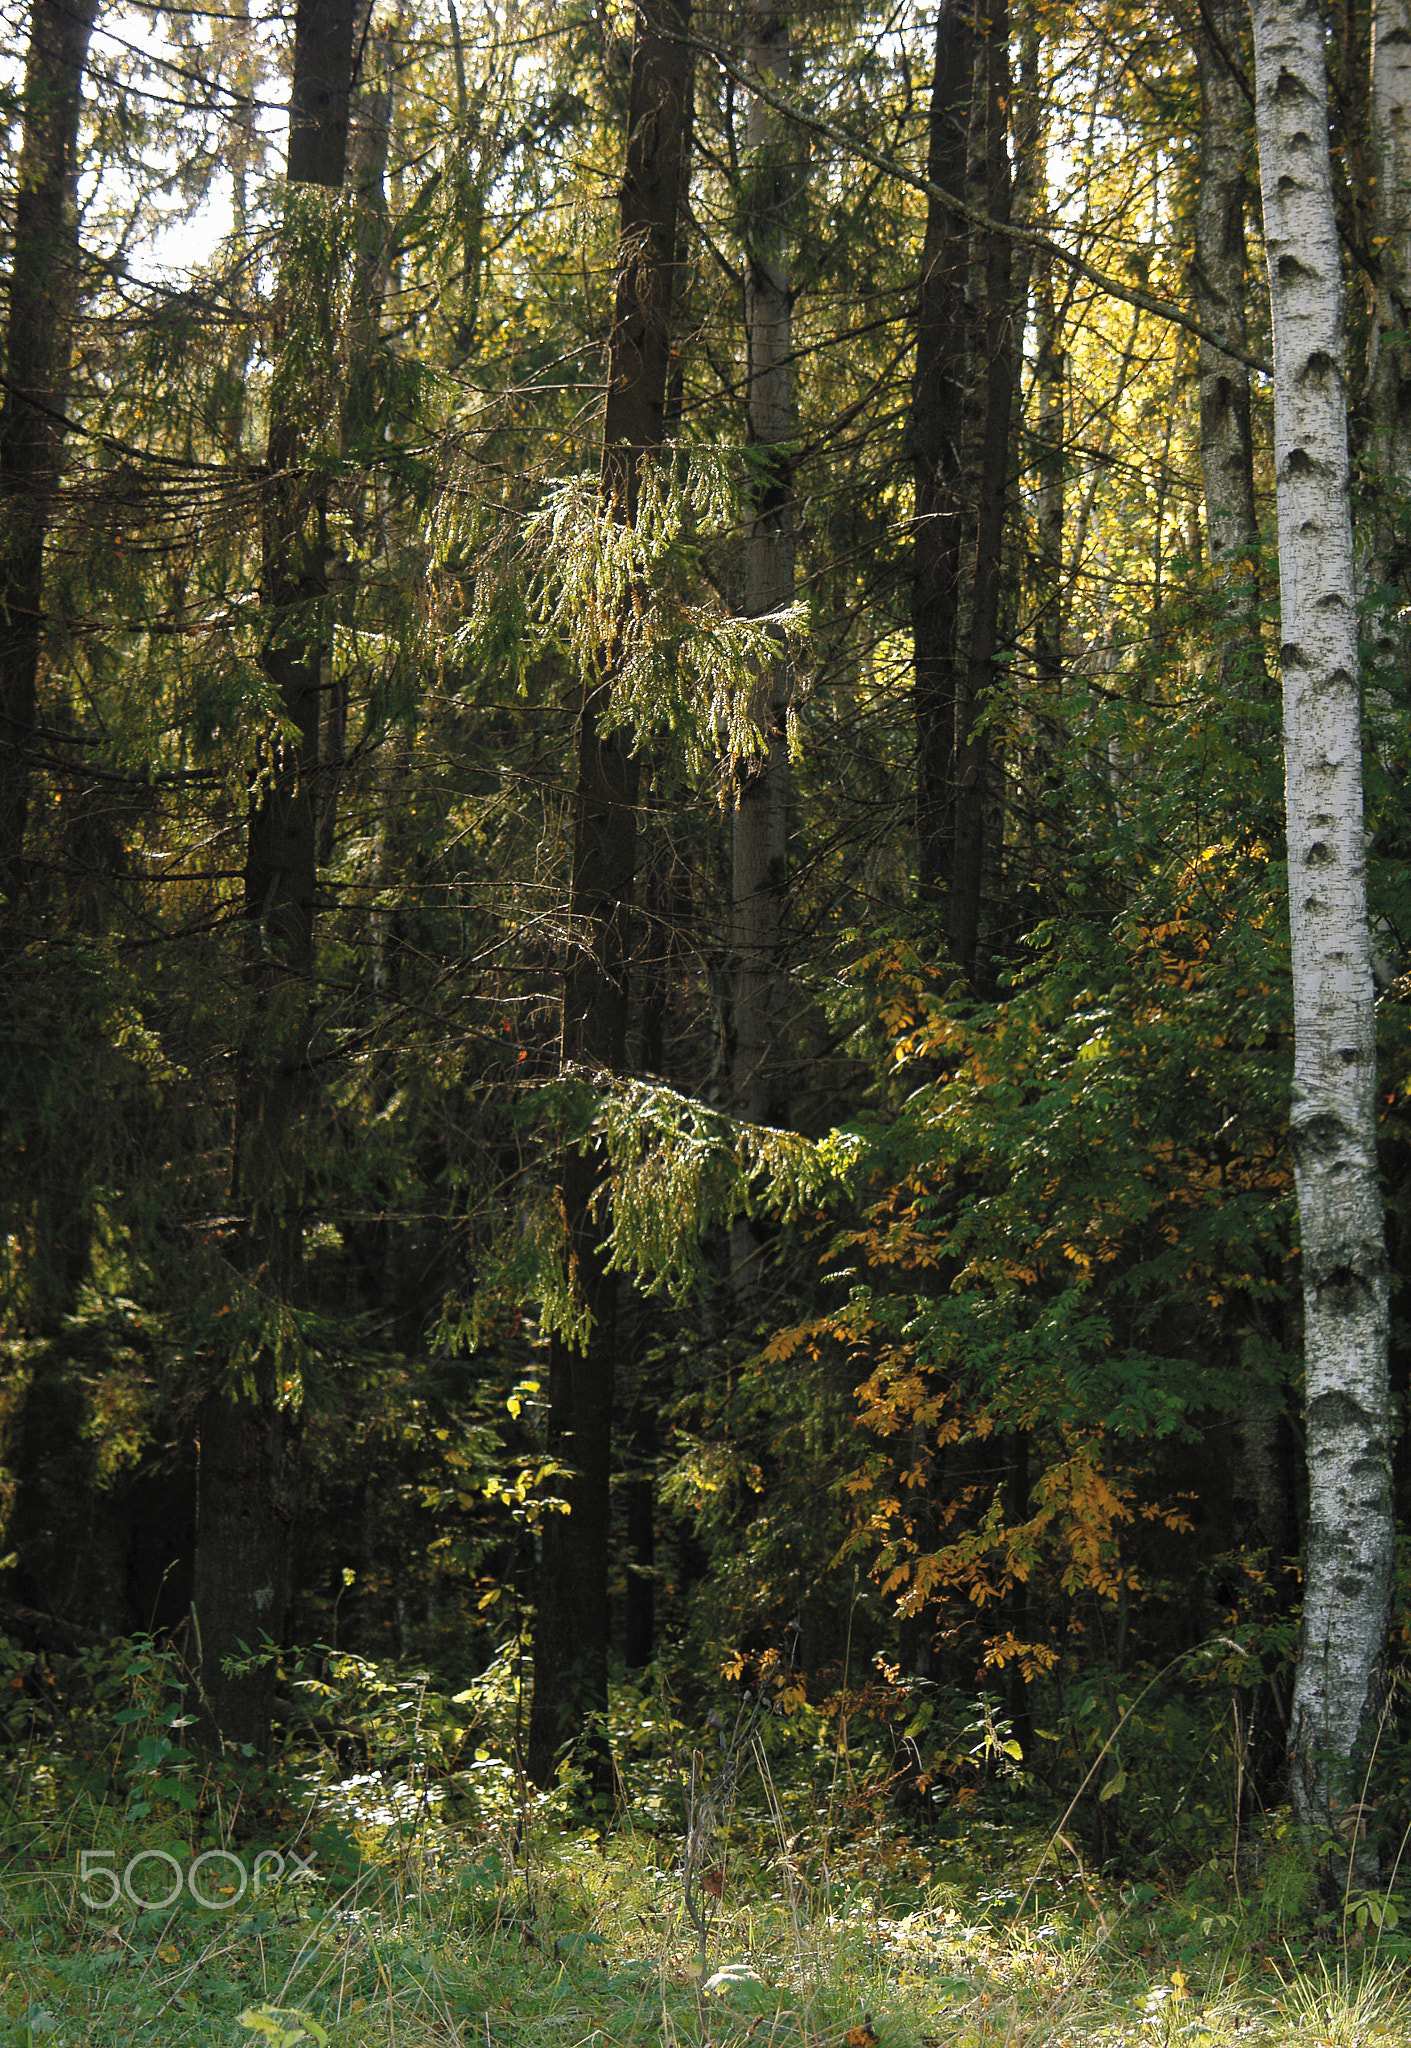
{"type": "Point", "coordinates": [1347, 1587]}
{"type": "Point", "coordinates": [248, 1473]}
{"type": "Point", "coordinates": [1389, 343]}
{"type": "Point", "coordinates": [1028, 197]}
{"type": "Point", "coordinates": [359, 414]}
{"type": "Point", "coordinates": [1221, 279]}
{"type": "Point", "coordinates": [961, 408]}
{"type": "Point", "coordinates": [759, 887]}
{"type": "Point", "coordinates": [476, 166]}
{"type": "Point", "coordinates": [1038, 438]}
{"type": "Point", "coordinates": [571, 1628]}
{"type": "Point", "coordinates": [639, 1619]}
{"type": "Point", "coordinates": [992, 395]}
{"type": "Point", "coordinates": [936, 441]}
{"type": "Point", "coordinates": [43, 300]}
{"type": "Point", "coordinates": [1221, 291]}
{"type": "Point", "coordinates": [1028, 205]}
{"type": "Point", "coordinates": [1051, 377]}
{"type": "Point", "coordinates": [1390, 351]}
{"type": "Point", "coordinates": [38, 350]}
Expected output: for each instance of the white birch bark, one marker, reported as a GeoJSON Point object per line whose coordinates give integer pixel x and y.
{"type": "Point", "coordinates": [1333, 1109]}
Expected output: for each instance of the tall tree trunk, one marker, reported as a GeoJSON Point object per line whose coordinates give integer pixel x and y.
{"type": "Point", "coordinates": [248, 1471]}
{"type": "Point", "coordinates": [571, 1628]}
{"type": "Point", "coordinates": [1347, 1586]}
{"type": "Point", "coordinates": [760, 825]}
{"type": "Point", "coordinates": [1221, 292]}
{"type": "Point", "coordinates": [936, 441]}
{"type": "Point", "coordinates": [38, 351]}
{"type": "Point", "coordinates": [1389, 344]}
{"type": "Point", "coordinates": [360, 422]}
{"type": "Point", "coordinates": [1051, 464]}
{"type": "Point", "coordinates": [992, 386]}
{"type": "Point", "coordinates": [961, 407]}
{"type": "Point", "coordinates": [477, 163]}
{"type": "Point", "coordinates": [1038, 437]}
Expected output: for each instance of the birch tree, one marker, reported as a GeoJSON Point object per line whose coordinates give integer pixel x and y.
{"type": "Point", "coordinates": [1347, 1581]}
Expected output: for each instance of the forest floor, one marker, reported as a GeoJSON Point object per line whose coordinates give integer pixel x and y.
{"type": "Point", "coordinates": [384, 1921]}
{"type": "Point", "coordinates": [390, 1877]}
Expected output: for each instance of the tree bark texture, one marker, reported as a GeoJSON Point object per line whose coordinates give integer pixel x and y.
{"type": "Point", "coordinates": [1347, 1586]}
{"type": "Point", "coordinates": [1051, 381]}
{"type": "Point", "coordinates": [321, 92]}
{"type": "Point", "coordinates": [761, 819]}
{"type": "Point", "coordinates": [248, 1473]}
{"type": "Point", "coordinates": [936, 444]}
{"type": "Point", "coordinates": [1221, 274]}
{"type": "Point", "coordinates": [991, 258]}
{"type": "Point", "coordinates": [1039, 444]}
{"type": "Point", "coordinates": [571, 1628]}
{"type": "Point", "coordinates": [962, 402]}
{"type": "Point", "coordinates": [38, 351]}
{"type": "Point", "coordinates": [1389, 341]}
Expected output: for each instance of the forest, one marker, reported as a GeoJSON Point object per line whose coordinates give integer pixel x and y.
{"type": "Point", "coordinates": [705, 863]}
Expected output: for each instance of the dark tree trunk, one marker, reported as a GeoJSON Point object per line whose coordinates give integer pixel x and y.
{"type": "Point", "coordinates": [961, 409]}
{"type": "Point", "coordinates": [991, 391]}
{"type": "Point", "coordinates": [936, 442]}
{"type": "Point", "coordinates": [321, 93]}
{"type": "Point", "coordinates": [360, 419]}
{"type": "Point", "coordinates": [639, 1620]}
{"type": "Point", "coordinates": [246, 1493]}
{"type": "Point", "coordinates": [1386, 406]}
{"type": "Point", "coordinates": [759, 852]}
{"type": "Point", "coordinates": [571, 1630]}
{"type": "Point", "coordinates": [38, 351]}
{"type": "Point", "coordinates": [1051, 377]}
{"type": "Point", "coordinates": [1037, 448]}
{"type": "Point", "coordinates": [248, 1472]}
{"type": "Point", "coordinates": [1221, 278]}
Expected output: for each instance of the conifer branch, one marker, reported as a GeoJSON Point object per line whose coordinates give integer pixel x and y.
{"type": "Point", "coordinates": [1028, 238]}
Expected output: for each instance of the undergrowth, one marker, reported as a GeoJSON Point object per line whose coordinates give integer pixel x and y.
{"type": "Point", "coordinates": [392, 1878]}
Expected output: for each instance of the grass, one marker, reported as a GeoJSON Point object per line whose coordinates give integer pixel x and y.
{"type": "Point", "coordinates": [421, 1901]}
{"type": "Point", "coordinates": [562, 1939]}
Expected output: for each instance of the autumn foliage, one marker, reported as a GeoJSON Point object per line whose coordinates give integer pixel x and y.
{"type": "Point", "coordinates": [1070, 1256]}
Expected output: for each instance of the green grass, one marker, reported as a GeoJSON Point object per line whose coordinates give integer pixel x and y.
{"type": "Point", "coordinates": [555, 1938]}
{"type": "Point", "coordinates": [756, 1891]}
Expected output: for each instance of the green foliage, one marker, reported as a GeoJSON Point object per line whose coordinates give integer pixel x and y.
{"type": "Point", "coordinates": [1055, 1250]}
